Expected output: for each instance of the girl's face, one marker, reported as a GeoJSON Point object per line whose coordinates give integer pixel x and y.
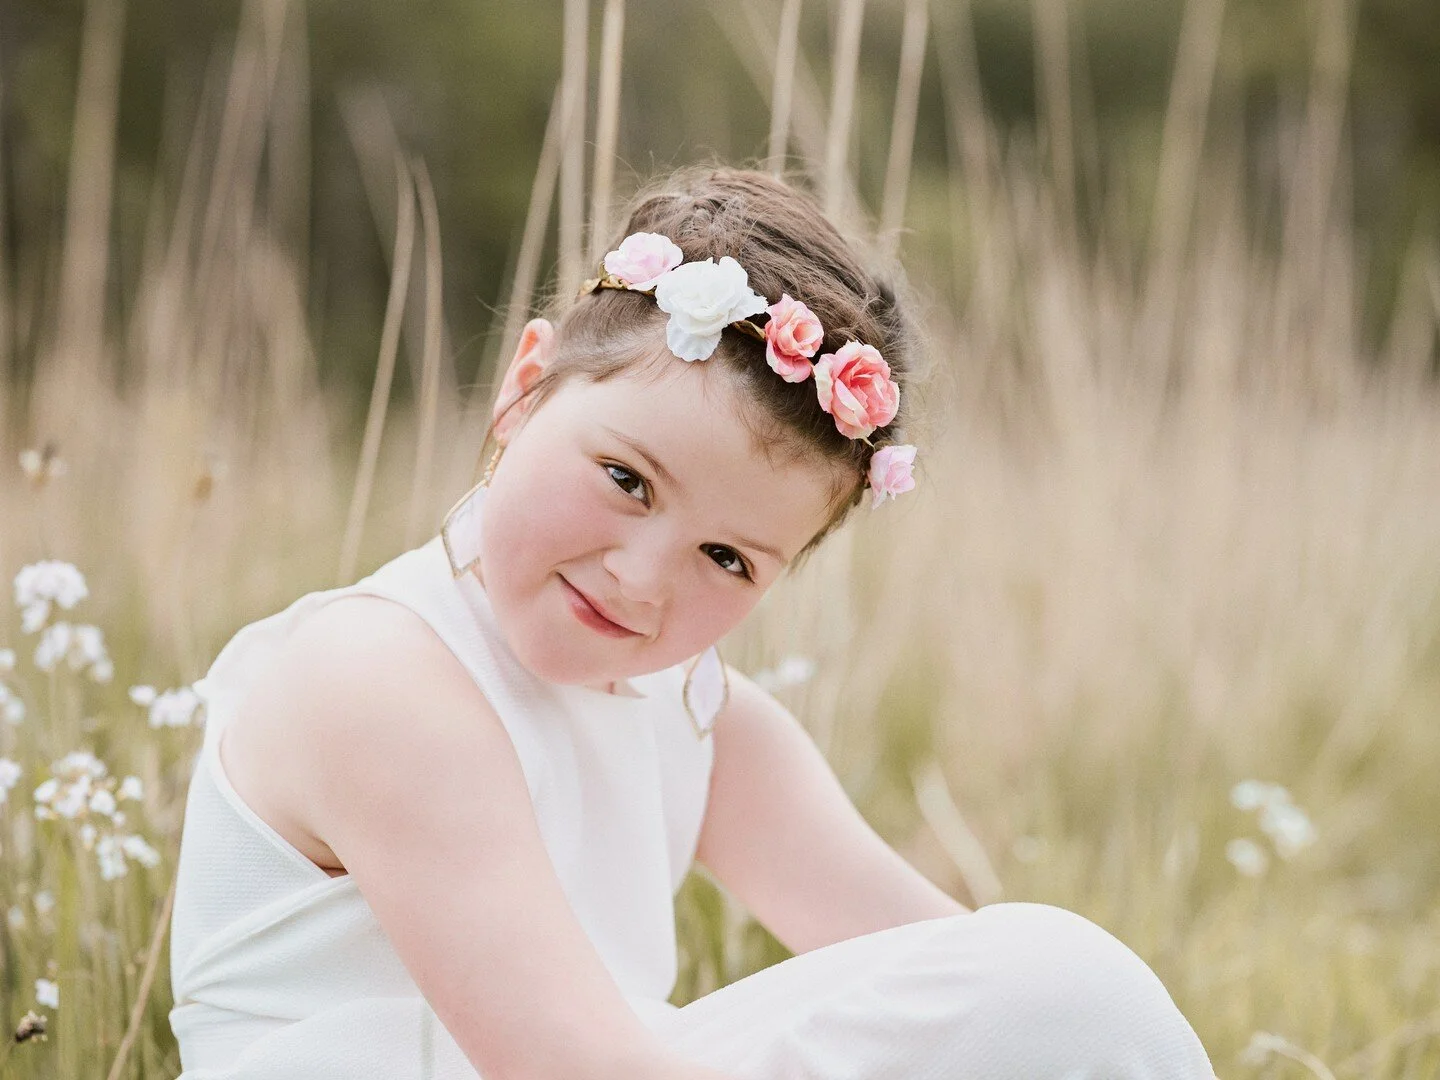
{"type": "Point", "coordinates": [632, 523]}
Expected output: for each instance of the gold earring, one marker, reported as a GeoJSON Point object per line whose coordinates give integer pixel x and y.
{"type": "Point", "coordinates": [490, 468]}
{"type": "Point", "coordinates": [460, 533]}
{"type": "Point", "coordinates": [705, 691]}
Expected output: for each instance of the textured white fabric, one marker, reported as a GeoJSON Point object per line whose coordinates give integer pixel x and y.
{"type": "Point", "coordinates": [281, 972]}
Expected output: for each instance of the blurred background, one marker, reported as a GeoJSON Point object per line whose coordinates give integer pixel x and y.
{"type": "Point", "coordinates": [1164, 643]}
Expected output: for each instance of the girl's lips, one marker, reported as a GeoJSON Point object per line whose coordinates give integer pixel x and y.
{"type": "Point", "coordinates": [587, 613]}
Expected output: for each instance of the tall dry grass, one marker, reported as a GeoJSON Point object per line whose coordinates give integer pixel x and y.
{"type": "Point", "coordinates": [1178, 523]}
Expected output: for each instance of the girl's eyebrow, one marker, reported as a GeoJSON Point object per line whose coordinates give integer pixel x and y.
{"type": "Point", "coordinates": [663, 472]}
{"type": "Point", "coordinates": [669, 478]}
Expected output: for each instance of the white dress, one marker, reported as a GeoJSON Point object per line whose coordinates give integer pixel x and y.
{"type": "Point", "coordinates": [281, 972]}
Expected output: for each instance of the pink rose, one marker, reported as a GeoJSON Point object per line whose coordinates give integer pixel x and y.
{"type": "Point", "coordinates": [642, 259]}
{"type": "Point", "coordinates": [792, 336]}
{"type": "Point", "coordinates": [855, 387]}
{"type": "Point", "coordinates": [890, 472]}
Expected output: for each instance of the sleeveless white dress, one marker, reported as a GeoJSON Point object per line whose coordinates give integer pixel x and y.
{"type": "Point", "coordinates": [281, 972]}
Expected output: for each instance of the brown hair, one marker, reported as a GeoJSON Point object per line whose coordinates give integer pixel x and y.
{"type": "Point", "coordinates": [781, 237]}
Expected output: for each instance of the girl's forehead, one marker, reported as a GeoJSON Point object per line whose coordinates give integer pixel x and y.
{"type": "Point", "coordinates": [690, 402]}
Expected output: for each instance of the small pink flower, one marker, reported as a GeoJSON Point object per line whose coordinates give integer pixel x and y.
{"type": "Point", "coordinates": [855, 387]}
{"type": "Point", "coordinates": [792, 336]}
{"type": "Point", "coordinates": [642, 259]}
{"type": "Point", "coordinates": [890, 472]}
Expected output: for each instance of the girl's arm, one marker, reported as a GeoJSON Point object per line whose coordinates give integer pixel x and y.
{"type": "Point", "coordinates": [781, 834]}
{"type": "Point", "coordinates": [412, 781]}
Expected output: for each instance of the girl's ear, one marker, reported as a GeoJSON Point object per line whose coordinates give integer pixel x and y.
{"type": "Point", "coordinates": [533, 354]}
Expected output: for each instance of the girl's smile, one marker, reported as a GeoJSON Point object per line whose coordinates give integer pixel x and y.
{"type": "Point", "coordinates": [592, 614]}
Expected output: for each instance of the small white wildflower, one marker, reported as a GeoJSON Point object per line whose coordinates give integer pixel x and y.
{"type": "Point", "coordinates": [44, 901]}
{"type": "Point", "coordinates": [142, 695]}
{"type": "Point", "coordinates": [33, 617]}
{"type": "Point", "coordinates": [88, 833]}
{"type": "Point", "coordinates": [87, 645]}
{"type": "Point", "coordinates": [46, 791]}
{"type": "Point", "coordinates": [48, 581]}
{"type": "Point", "coordinates": [174, 708]}
{"type": "Point", "coordinates": [15, 917]}
{"type": "Point", "coordinates": [31, 463]}
{"type": "Point", "coordinates": [81, 762]}
{"type": "Point", "coordinates": [71, 802]}
{"type": "Point", "coordinates": [791, 671]}
{"type": "Point", "coordinates": [140, 851]}
{"type": "Point", "coordinates": [7, 659]}
{"type": "Point", "coordinates": [1253, 794]}
{"type": "Point", "coordinates": [130, 788]}
{"type": "Point", "coordinates": [1288, 827]}
{"type": "Point", "coordinates": [10, 772]}
{"type": "Point", "coordinates": [47, 993]}
{"type": "Point", "coordinates": [54, 644]}
{"type": "Point", "coordinates": [102, 802]}
{"type": "Point", "coordinates": [103, 671]}
{"type": "Point", "coordinates": [14, 710]}
{"type": "Point", "coordinates": [1247, 856]}
{"type": "Point", "coordinates": [118, 818]}
{"type": "Point", "coordinates": [112, 858]}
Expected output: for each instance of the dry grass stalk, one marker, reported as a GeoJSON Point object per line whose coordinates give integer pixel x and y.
{"type": "Point", "coordinates": [902, 124]}
{"type": "Point", "coordinates": [1183, 135]}
{"type": "Point", "coordinates": [572, 141]}
{"type": "Point", "coordinates": [787, 45]}
{"type": "Point", "coordinates": [384, 372]}
{"type": "Point", "coordinates": [429, 398]}
{"type": "Point", "coordinates": [1052, 48]}
{"type": "Point", "coordinates": [937, 807]}
{"type": "Point", "coordinates": [147, 981]}
{"type": "Point", "coordinates": [607, 126]}
{"type": "Point", "coordinates": [86, 256]}
{"type": "Point", "coordinates": [845, 62]}
{"type": "Point", "coordinates": [755, 48]}
{"type": "Point", "coordinates": [7, 320]}
{"type": "Point", "coordinates": [532, 239]}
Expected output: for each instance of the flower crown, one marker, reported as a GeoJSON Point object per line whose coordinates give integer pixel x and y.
{"type": "Point", "coordinates": [703, 297]}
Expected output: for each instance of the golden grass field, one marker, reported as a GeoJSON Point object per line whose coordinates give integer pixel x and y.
{"type": "Point", "coordinates": [1178, 527]}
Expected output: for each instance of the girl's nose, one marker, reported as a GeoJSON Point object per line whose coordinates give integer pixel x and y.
{"type": "Point", "coordinates": [642, 566]}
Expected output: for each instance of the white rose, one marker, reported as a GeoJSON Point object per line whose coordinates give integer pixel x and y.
{"type": "Point", "coordinates": [702, 298]}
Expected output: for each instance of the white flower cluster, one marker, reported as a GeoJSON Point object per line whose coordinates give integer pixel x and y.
{"type": "Point", "coordinates": [80, 790]}
{"type": "Point", "coordinates": [83, 647]}
{"type": "Point", "coordinates": [1288, 827]}
{"type": "Point", "coordinates": [40, 584]}
{"type": "Point", "coordinates": [12, 709]}
{"type": "Point", "coordinates": [39, 588]}
{"type": "Point", "coordinates": [173, 708]}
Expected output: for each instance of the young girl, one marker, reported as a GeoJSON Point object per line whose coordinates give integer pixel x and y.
{"type": "Point", "coordinates": [440, 815]}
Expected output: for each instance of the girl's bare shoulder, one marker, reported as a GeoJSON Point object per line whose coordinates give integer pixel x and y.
{"type": "Point", "coordinates": [279, 727]}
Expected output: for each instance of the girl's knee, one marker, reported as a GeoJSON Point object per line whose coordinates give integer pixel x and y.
{"type": "Point", "coordinates": [1065, 998]}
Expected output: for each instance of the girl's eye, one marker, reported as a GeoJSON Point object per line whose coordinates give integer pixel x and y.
{"type": "Point", "coordinates": [627, 481]}
{"type": "Point", "coordinates": [727, 559]}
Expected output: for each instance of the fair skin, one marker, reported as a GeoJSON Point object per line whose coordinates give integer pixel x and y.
{"type": "Point", "coordinates": [426, 808]}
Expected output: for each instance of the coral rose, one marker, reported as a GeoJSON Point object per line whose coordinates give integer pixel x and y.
{"type": "Point", "coordinates": [854, 386]}
{"type": "Point", "coordinates": [792, 336]}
